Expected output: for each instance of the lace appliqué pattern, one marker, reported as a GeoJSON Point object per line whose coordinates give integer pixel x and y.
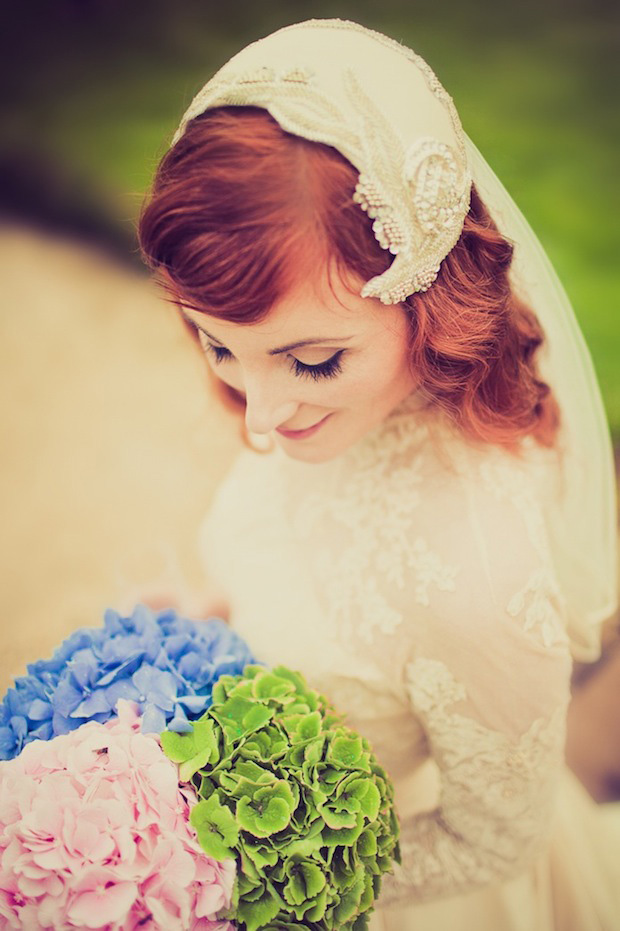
{"type": "Point", "coordinates": [429, 570]}
{"type": "Point", "coordinates": [496, 795]}
{"type": "Point", "coordinates": [506, 481]}
{"type": "Point", "coordinates": [534, 603]}
{"type": "Point", "coordinates": [537, 598]}
{"type": "Point", "coordinates": [376, 507]}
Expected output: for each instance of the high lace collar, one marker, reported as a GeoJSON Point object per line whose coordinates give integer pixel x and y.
{"type": "Point", "coordinates": [405, 424]}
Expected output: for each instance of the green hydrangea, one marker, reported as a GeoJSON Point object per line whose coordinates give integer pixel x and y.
{"type": "Point", "coordinates": [295, 796]}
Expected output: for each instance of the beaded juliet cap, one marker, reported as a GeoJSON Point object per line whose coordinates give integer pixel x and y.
{"type": "Point", "coordinates": [382, 107]}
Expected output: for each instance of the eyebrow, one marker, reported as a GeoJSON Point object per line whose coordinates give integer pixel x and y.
{"type": "Point", "coordinates": [274, 352]}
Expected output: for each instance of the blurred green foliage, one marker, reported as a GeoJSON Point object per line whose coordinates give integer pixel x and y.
{"type": "Point", "coordinates": [93, 90]}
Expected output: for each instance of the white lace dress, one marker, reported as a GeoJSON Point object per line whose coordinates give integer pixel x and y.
{"type": "Point", "coordinates": [410, 579]}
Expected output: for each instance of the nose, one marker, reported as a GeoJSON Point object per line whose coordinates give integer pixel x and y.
{"type": "Point", "coordinates": [266, 407]}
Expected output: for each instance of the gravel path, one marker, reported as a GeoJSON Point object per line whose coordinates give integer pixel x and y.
{"type": "Point", "coordinates": [112, 447]}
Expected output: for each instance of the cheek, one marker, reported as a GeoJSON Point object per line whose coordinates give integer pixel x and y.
{"type": "Point", "coordinates": [226, 373]}
{"type": "Point", "coordinates": [394, 363]}
{"type": "Point", "coordinates": [378, 373]}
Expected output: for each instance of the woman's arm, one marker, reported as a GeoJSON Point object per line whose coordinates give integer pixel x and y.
{"type": "Point", "coordinates": [489, 680]}
{"type": "Point", "coordinates": [497, 794]}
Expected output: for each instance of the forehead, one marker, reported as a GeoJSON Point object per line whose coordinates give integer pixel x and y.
{"type": "Point", "coordinates": [325, 305]}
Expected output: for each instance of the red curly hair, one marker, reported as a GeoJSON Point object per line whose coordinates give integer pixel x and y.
{"type": "Point", "coordinates": [240, 210]}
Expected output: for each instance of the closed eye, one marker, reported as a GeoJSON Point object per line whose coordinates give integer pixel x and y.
{"type": "Point", "coordinates": [220, 353]}
{"type": "Point", "coordinates": [328, 369]}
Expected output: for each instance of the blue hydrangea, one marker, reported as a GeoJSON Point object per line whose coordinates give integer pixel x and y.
{"type": "Point", "coordinates": [166, 663]}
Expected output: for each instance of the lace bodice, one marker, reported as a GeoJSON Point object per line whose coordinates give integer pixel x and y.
{"type": "Point", "coordinates": [411, 580]}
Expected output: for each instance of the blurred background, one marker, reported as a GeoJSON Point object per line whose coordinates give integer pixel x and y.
{"type": "Point", "coordinates": [92, 90]}
{"type": "Point", "coordinates": [112, 446]}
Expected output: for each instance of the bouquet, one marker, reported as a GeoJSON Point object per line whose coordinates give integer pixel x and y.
{"type": "Point", "coordinates": [157, 777]}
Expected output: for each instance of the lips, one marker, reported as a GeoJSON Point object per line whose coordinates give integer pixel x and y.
{"type": "Point", "coordinates": [300, 434]}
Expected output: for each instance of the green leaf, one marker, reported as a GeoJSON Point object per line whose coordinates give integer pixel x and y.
{"type": "Point", "coordinates": [270, 685]}
{"type": "Point", "coordinates": [216, 828]}
{"type": "Point", "coordinates": [250, 886]}
{"type": "Point", "coordinates": [348, 906]}
{"type": "Point", "coordinates": [252, 670]}
{"type": "Point", "coordinates": [305, 812]}
{"type": "Point", "coordinates": [207, 786]}
{"type": "Point", "coordinates": [313, 751]}
{"type": "Point", "coordinates": [344, 874]}
{"type": "Point", "coordinates": [317, 910]}
{"type": "Point", "coordinates": [260, 853]}
{"type": "Point", "coordinates": [222, 688]}
{"type": "Point", "coordinates": [337, 819]}
{"type": "Point", "coordinates": [366, 844]}
{"type": "Point", "coordinates": [346, 751]}
{"type": "Point", "coordinates": [240, 716]}
{"type": "Point", "coordinates": [299, 706]}
{"type": "Point", "coordinates": [299, 683]}
{"type": "Point", "coordinates": [360, 923]}
{"type": "Point", "coordinates": [344, 836]}
{"type": "Point", "coordinates": [248, 867]}
{"type": "Point", "coordinates": [178, 747]}
{"type": "Point", "coordinates": [246, 777]}
{"type": "Point", "coordinates": [304, 846]}
{"type": "Point", "coordinates": [268, 811]}
{"type": "Point", "coordinates": [302, 727]}
{"type": "Point", "coordinates": [328, 777]}
{"type": "Point", "coordinates": [368, 895]}
{"type": "Point", "coordinates": [258, 912]}
{"type": "Point", "coordinates": [267, 745]}
{"type": "Point", "coordinates": [362, 791]}
{"type": "Point", "coordinates": [193, 750]}
{"type": "Point", "coordinates": [305, 881]}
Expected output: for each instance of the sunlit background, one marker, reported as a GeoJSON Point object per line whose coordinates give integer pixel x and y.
{"type": "Point", "coordinates": [112, 447]}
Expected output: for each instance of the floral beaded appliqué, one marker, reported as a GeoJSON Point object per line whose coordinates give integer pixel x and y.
{"type": "Point", "coordinates": [417, 198]}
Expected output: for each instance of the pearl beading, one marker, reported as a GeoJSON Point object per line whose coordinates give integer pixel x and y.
{"type": "Point", "coordinates": [417, 199]}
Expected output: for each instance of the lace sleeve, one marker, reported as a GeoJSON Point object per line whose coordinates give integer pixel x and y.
{"type": "Point", "coordinates": [488, 677]}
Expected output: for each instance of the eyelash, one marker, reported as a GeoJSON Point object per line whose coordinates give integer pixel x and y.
{"type": "Point", "coordinates": [328, 369]}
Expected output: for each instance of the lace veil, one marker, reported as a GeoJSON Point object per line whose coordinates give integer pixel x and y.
{"type": "Point", "coordinates": [382, 107]}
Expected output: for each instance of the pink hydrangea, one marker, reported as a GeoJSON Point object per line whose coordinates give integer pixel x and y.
{"type": "Point", "coordinates": [94, 833]}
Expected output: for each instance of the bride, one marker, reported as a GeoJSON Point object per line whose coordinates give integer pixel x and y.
{"type": "Point", "coordinates": [428, 532]}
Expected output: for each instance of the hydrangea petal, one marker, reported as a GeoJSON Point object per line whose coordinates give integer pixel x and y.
{"type": "Point", "coordinates": [93, 669]}
{"type": "Point", "coordinates": [94, 823]}
{"type": "Point", "coordinates": [95, 703]}
{"type": "Point", "coordinates": [40, 710]}
{"type": "Point", "coordinates": [102, 905]}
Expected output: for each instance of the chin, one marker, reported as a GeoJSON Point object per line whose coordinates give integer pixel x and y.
{"type": "Point", "coordinates": [334, 440]}
{"type": "Point", "coordinates": [314, 454]}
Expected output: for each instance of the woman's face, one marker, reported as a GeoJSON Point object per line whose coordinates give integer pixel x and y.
{"type": "Point", "coordinates": [321, 370]}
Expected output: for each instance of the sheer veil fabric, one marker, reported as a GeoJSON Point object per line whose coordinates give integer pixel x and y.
{"type": "Point", "coordinates": [582, 518]}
